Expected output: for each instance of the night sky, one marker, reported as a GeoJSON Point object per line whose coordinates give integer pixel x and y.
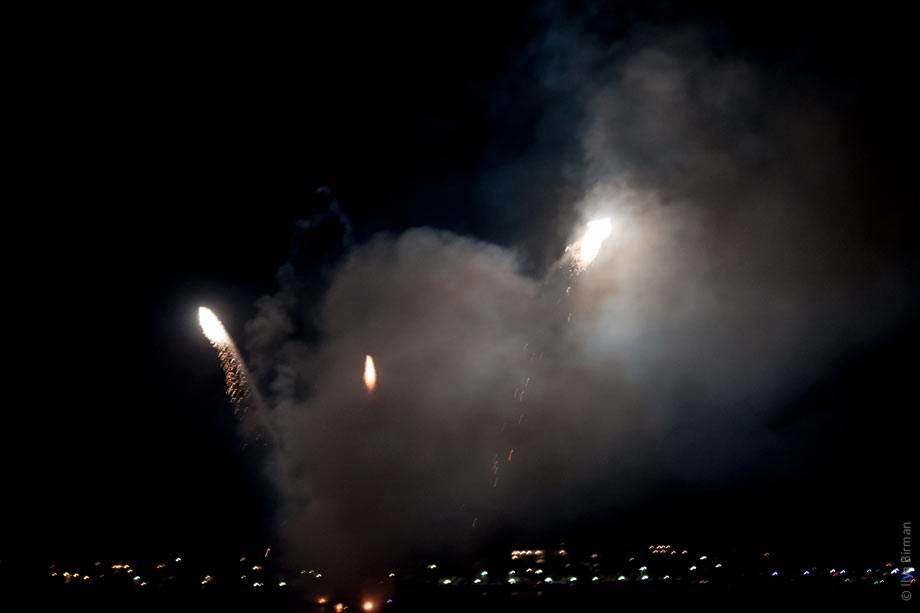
{"type": "Point", "coordinates": [739, 370]}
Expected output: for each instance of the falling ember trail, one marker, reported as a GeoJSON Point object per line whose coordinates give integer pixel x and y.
{"type": "Point", "coordinates": [370, 373]}
{"type": "Point", "coordinates": [230, 360]}
{"type": "Point", "coordinates": [580, 256]}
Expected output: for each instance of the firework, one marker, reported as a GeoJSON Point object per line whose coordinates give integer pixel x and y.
{"type": "Point", "coordinates": [582, 253]}
{"type": "Point", "coordinates": [230, 360]}
{"type": "Point", "coordinates": [586, 249]}
{"type": "Point", "coordinates": [370, 373]}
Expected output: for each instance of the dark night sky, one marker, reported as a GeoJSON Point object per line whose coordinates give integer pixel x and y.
{"type": "Point", "coordinates": [163, 159]}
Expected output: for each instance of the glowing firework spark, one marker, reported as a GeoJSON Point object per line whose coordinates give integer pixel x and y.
{"type": "Point", "coordinates": [212, 327]}
{"type": "Point", "coordinates": [586, 249]}
{"type": "Point", "coordinates": [370, 373]}
{"type": "Point", "coordinates": [230, 360]}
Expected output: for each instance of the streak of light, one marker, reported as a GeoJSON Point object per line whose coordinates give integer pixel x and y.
{"type": "Point", "coordinates": [230, 360]}
{"type": "Point", "coordinates": [370, 373]}
{"type": "Point", "coordinates": [585, 250]}
{"type": "Point", "coordinates": [211, 326]}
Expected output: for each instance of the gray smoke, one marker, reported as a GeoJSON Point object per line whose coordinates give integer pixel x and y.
{"type": "Point", "coordinates": [738, 271]}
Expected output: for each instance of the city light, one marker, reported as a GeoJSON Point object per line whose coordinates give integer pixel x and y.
{"type": "Point", "coordinates": [480, 577]}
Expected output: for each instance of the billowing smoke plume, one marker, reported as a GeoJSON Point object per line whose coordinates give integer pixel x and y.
{"type": "Point", "coordinates": [737, 269]}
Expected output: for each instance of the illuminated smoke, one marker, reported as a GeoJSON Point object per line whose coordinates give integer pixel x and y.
{"type": "Point", "coordinates": [230, 360]}
{"type": "Point", "coordinates": [585, 250]}
{"type": "Point", "coordinates": [370, 373]}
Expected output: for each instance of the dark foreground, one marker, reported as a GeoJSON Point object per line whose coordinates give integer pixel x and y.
{"type": "Point", "coordinates": [435, 598]}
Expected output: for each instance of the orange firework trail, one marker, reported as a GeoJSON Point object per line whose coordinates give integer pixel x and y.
{"type": "Point", "coordinates": [230, 360]}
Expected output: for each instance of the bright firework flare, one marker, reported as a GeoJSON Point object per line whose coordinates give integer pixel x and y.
{"type": "Point", "coordinates": [212, 327]}
{"type": "Point", "coordinates": [230, 360]}
{"type": "Point", "coordinates": [370, 373]}
{"type": "Point", "coordinates": [586, 249]}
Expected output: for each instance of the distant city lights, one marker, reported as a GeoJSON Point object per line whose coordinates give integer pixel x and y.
{"type": "Point", "coordinates": [594, 572]}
